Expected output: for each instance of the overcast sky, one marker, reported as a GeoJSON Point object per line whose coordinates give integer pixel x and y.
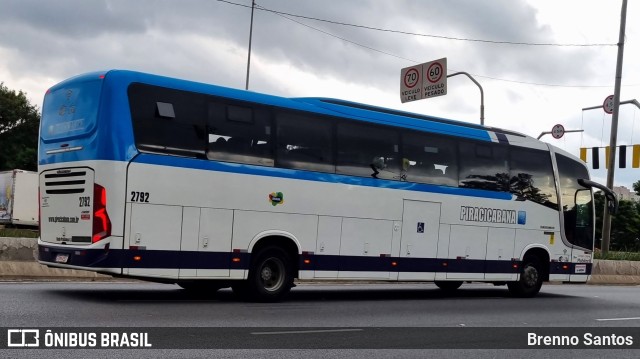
{"type": "Point", "coordinates": [527, 88]}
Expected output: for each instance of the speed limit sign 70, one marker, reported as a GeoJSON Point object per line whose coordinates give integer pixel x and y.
{"type": "Point", "coordinates": [411, 84]}
{"type": "Point", "coordinates": [411, 78]}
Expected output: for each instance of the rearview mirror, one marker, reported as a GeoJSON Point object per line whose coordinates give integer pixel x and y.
{"type": "Point", "coordinates": [612, 199]}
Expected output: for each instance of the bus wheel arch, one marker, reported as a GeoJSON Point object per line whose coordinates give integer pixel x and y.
{"type": "Point", "coordinates": [288, 243]}
{"type": "Point", "coordinates": [273, 266]}
{"type": "Point", "coordinates": [534, 270]}
{"type": "Point", "coordinates": [544, 258]}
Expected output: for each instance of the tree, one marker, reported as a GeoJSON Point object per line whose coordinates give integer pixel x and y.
{"type": "Point", "coordinates": [19, 122]}
{"type": "Point", "coordinates": [636, 187]}
{"type": "Point", "coordinates": [625, 225]}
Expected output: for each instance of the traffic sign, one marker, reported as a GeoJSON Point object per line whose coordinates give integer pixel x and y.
{"type": "Point", "coordinates": [557, 131]}
{"type": "Point", "coordinates": [423, 81]}
{"type": "Point", "coordinates": [435, 78]}
{"type": "Point", "coordinates": [411, 84]}
{"type": "Point", "coordinates": [607, 105]}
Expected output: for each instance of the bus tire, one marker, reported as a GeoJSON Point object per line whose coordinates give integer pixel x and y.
{"type": "Point", "coordinates": [448, 286]}
{"type": "Point", "coordinates": [270, 276]}
{"type": "Point", "coordinates": [531, 277]}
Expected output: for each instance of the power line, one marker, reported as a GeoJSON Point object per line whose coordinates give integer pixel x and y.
{"type": "Point", "coordinates": [259, 7]}
{"type": "Point", "coordinates": [342, 38]}
{"type": "Point", "coordinates": [419, 34]}
{"type": "Point", "coordinates": [417, 62]}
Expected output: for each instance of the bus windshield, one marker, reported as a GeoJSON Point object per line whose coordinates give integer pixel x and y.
{"type": "Point", "coordinates": [577, 206]}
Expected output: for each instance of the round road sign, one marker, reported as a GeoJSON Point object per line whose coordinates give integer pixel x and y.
{"type": "Point", "coordinates": [607, 105]}
{"type": "Point", "coordinates": [557, 131]}
{"type": "Point", "coordinates": [411, 78]}
{"type": "Point", "coordinates": [434, 72]}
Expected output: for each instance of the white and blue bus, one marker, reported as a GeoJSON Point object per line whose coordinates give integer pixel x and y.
{"type": "Point", "coordinates": [208, 187]}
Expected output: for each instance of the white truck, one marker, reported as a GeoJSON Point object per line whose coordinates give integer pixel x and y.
{"type": "Point", "coordinates": [19, 198]}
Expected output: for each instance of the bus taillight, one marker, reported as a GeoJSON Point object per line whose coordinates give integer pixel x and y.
{"type": "Point", "coordinates": [101, 221]}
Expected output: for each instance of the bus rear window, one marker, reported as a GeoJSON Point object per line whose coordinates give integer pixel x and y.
{"type": "Point", "coordinates": [70, 110]}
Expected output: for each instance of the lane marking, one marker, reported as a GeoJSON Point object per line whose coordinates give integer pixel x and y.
{"type": "Point", "coordinates": [612, 319]}
{"type": "Point", "coordinates": [309, 331]}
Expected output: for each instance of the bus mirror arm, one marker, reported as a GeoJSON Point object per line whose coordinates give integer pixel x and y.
{"type": "Point", "coordinates": [612, 199]}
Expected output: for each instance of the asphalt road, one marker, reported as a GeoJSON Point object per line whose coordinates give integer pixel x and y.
{"type": "Point", "coordinates": [339, 318]}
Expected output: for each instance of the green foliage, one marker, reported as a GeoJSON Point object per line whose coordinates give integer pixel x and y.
{"type": "Point", "coordinates": [625, 225]}
{"type": "Point", "coordinates": [619, 256]}
{"type": "Point", "coordinates": [19, 121]}
{"type": "Point", "coordinates": [636, 187]}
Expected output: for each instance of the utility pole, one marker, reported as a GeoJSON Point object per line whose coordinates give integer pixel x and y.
{"type": "Point", "coordinates": [253, 6]}
{"type": "Point", "coordinates": [606, 217]}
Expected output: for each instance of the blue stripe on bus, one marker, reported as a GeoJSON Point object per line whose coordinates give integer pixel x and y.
{"type": "Point", "coordinates": [181, 162]}
{"type": "Point", "coordinates": [166, 259]}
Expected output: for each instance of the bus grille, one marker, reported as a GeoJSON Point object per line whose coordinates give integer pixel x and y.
{"type": "Point", "coordinates": [65, 182]}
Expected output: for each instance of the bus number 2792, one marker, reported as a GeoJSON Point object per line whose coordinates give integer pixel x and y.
{"type": "Point", "coordinates": [139, 196]}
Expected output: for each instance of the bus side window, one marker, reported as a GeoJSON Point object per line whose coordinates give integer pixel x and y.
{"type": "Point", "coordinates": [532, 176]}
{"type": "Point", "coordinates": [304, 142]}
{"type": "Point", "coordinates": [429, 159]}
{"type": "Point", "coordinates": [239, 133]}
{"type": "Point", "coordinates": [368, 151]}
{"type": "Point", "coordinates": [484, 166]}
{"type": "Point", "coordinates": [167, 121]}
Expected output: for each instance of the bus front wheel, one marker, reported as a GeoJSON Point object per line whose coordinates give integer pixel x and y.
{"type": "Point", "coordinates": [531, 278]}
{"type": "Point", "coordinates": [270, 276]}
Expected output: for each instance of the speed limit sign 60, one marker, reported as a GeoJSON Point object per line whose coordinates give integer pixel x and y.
{"type": "Point", "coordinates": [435, 78]}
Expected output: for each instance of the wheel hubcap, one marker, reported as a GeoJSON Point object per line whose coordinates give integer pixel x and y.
{"type": "Point", "coordinates": [272, 274]}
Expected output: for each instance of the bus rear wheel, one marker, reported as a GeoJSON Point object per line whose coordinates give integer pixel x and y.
{"type": "Point", "coordinates": [270, 277]}
{"type": "Point", "coordinates": [531, 278]}
{"type": "Point", "coordinates": [448, 286]}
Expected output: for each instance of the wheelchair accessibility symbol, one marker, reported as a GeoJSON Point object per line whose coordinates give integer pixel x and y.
{"type": "Point", "coordinates": [420, 227]}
